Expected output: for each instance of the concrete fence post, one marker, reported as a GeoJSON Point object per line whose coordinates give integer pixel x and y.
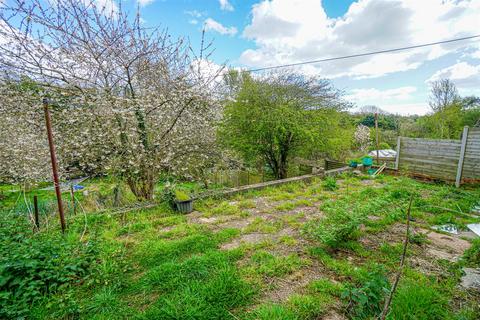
{"type": "Point", "coordinates": [397, 158]}
{"type": "Point", "coordinates": [463, 147]}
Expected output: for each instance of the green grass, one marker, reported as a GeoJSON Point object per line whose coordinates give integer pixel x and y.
{"type": "Point", "coordinates": [156, 264]}
{"type": "Point", "coordinates": [272, 312]}
{"type": "Point", "coordinates": [264, 226]}
{"type": "Point", "coordinates": [201, 287]}
{"type": "Point", "coordinates": [325, 287]}
{"type": "Point", "coordinates": [420, 300]}
{"type": "Point", "coordinates": [269, 265]}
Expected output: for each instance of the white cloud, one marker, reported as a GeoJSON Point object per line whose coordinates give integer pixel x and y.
{"type": "Point", "coordinates": [379, 97]}
{"type": "Point", "coordinates": [144, 3]}
{"type": "Point", "coordinates": [476, 54]}
{"type": "Point", "coordinates": [212, 25]}
{"type": "Point", "coordinates": [195, 16]}
{"type": "Point", "coordinates": [209, 70]}
{"type": "Point", "coordinates": [396, 101]}
{"type": "Point", "coordinates": [406, 108]}
{"type": "Point", "coordinates": [225, 5]}
{"type": "Point", "coordinates": [463, 74]}
{"type": "Point", "coordinates": [195, 13]}
{"type": "Point", "coordinates": [287, 31]}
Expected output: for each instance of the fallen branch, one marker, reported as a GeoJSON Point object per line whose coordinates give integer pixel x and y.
{"type": "Point", "coordinates": [402, 263]}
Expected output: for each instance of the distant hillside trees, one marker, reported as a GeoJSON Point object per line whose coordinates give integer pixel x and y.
{"type": "Point", "coordinates": [385, 121]}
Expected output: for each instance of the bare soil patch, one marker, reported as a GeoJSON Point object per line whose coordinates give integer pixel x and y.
{"type": "Point", "coordinates": [250, 238]}
{"type": "Point", "coordinates": [239, 223]}
{"type": "Point", "coordinates": [283, 288]}
{"type": "Point", "coordinates": [446, 247]}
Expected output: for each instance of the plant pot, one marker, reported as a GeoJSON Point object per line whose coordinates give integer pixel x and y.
{"type": "Point", "coordinates": [184, 206]}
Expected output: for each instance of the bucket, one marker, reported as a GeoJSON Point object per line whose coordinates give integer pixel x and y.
{"type": "Point", "coordinates": [367, 161]}
{"type": "Point", "coordinates": [184, 206]}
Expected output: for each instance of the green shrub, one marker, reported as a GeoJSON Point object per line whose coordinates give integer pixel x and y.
{"type": "Point", "coordinates": [335, 229]}
{"type": "Point", "coordinates": [330, 184]}
{"type": "Point", "coordinates": [34, 266]}
{"type": "Point", "coordinates": [384, 146]}
{"type": "Point", "coordinates": [181, 195]}
{"type": "Point", "coordinates": [171, 193]}
{"type": "Point", "coordinates": [167, 194]}
{"type": "Point", "coordinates": [471, 257]}
{"type": "Point", "coordinates": [417, 238]}
{"type": "Point", "coordinates": [365, 300]}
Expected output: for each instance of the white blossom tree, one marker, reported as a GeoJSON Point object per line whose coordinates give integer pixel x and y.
{"type": "Point", "coordinates": [362, 137]}
{"type": "Point", "coordinates": [124, 98]}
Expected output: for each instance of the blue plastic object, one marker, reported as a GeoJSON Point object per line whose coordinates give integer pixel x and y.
{"type": "Point", "coordinates": [77, 187]}
{"type": "Point", "coordinates": [367, 161]}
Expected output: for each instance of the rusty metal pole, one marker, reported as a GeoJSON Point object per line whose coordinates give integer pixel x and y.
{"type": "Point", "coordinates": [53, 158]}
{"type": "Point", "coordinates": [376, 132]}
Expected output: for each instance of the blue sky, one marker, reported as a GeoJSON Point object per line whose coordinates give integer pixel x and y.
{"type": "Point", "coordinates": [257, 33]}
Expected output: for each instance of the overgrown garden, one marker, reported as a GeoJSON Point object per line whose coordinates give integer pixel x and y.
{"type": "Point", "coordinates": [145, 121]}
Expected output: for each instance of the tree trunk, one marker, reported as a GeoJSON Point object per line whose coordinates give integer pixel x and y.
{"type": "Point", "coordinates": [283, 161]}
{"type": "Point", "coordinates": [282, 171]}
{"type": "Point", "coordinates": [142, 184]}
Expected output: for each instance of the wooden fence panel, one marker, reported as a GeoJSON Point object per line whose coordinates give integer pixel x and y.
{"type": "Point", "coordinates": [441, 159]}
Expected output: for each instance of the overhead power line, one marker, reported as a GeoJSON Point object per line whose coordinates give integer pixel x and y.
{"type": "Point", "coordinates": [362, 54]}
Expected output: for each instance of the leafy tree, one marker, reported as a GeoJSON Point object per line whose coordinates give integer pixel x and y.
{"type": "Point", "coordinates": [278, 116]}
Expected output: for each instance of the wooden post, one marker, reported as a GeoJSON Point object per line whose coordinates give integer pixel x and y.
{"type": "Point", "coordinates": [53, 158]}
{"type": "Point", "coordinates": [458, 179]}
{"type": "Point", "coordinates": [36, 215]}
{"type": "Point", "coordinates": [376, 133]}
{"type": "Point", "coordinates": [397, 158]}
